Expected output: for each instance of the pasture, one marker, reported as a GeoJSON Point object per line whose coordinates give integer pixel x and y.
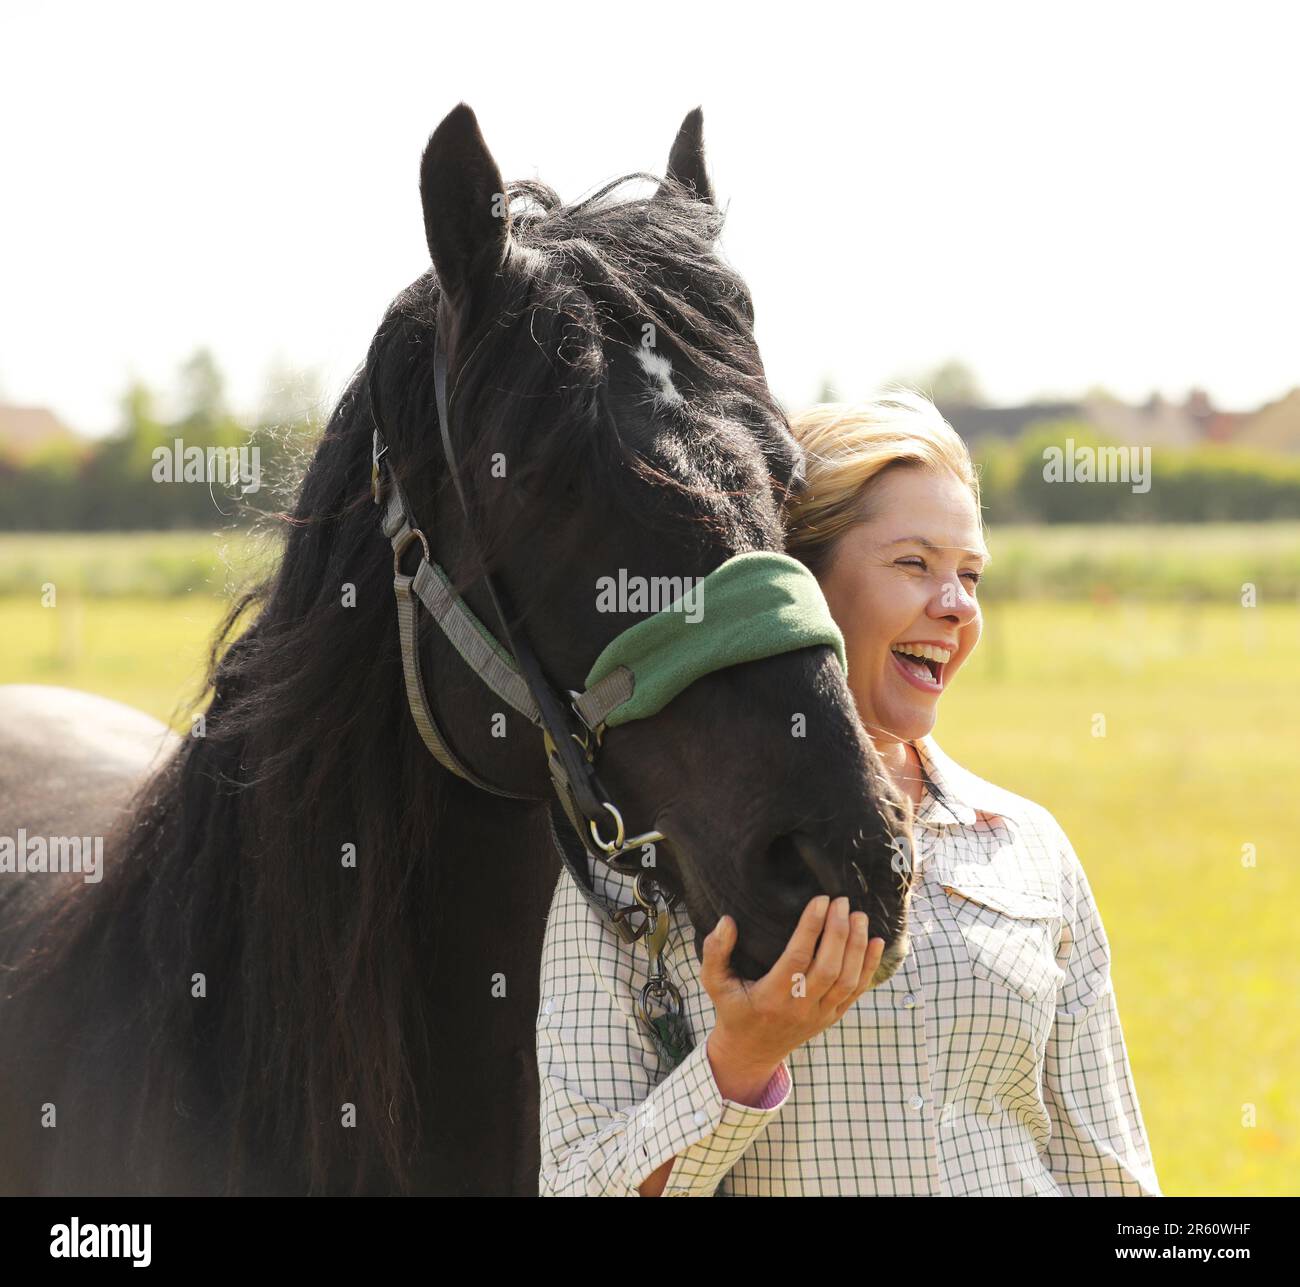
{"type": "Point", "coordinates": [1185, 812]}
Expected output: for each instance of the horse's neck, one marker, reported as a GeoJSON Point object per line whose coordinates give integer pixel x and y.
{"type": "Point", "coordinates": [491, 832]}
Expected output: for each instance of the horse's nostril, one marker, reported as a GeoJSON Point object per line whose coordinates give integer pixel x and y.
{"type": "Point", "coordinates": [818, 861]}
{"type": "Point", "coordinates": [796, 856]}
{"type": "Point", "coordinates": [782, 854]}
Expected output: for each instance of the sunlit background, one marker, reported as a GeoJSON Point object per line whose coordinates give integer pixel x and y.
{"type": "Point", "coordinates": [1061, 224]}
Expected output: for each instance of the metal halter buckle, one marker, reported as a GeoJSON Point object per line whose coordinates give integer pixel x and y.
{"type": "Point", "coordinates": [622, 843]}
{"type": "Point", "coordinates": [584, 739]}
{"type": "Point", "coordinates": [403, 543]}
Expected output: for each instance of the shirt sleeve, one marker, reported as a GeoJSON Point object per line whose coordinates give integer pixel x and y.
{"type": "Point", "coordinates": [605, 1124]}
{"type": "Point", "coordinates": [1098, 1144]}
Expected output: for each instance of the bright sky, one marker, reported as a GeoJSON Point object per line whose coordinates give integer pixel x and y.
{"type": "Point", "coordinates": [1060, 196]}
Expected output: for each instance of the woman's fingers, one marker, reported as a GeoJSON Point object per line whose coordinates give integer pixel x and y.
{"type": "Point", "coordinates": [715, 969]}
{"type": "Point", "coordinates": [798, 954]}
{"type": "Point", "coordinates": [829, 960]}
{"type": "Point", "coordinates": [855, 951]}
{"type": "Point", "coordinates": [870, 964]}
{"type": "Point", "coordinates": [871, 959]}
{"type": "Point", "coordinates": [832, 950]}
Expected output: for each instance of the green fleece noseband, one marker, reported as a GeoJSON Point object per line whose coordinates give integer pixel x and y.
{"type": "Point", "coordinates": [754, 605]}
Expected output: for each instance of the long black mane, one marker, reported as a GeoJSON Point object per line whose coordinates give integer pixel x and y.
{"type": "Point", "coordinates": [317, 975]}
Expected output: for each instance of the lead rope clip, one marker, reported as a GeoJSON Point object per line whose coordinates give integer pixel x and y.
{"type": "Point", "coordinates": [660, 1008]}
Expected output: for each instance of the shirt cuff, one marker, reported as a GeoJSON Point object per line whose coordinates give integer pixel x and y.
{"type": "Point", "coordinates": [775, 1091]}
{"type": "Point", "coordinates": [686, 1118]}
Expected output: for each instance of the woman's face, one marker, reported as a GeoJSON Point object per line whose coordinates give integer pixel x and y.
{"type": "Point", "coordinates": [907, 576]}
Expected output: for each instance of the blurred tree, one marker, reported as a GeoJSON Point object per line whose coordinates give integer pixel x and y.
{"type": "Point", "coordinates": [293, 412]}
{"type": "Point", "coordinates": [950, 384]}
{"type": "Point", "coordinates": [954, 384]}
{"type": "Point", "coordinates": [202, 392]}
{"type": "Point", "coordinates": [116, 477]}
{"type": "Point", "coordinates": [138, 413]}
{"type": "Point", "coordinates": [1100, 393]}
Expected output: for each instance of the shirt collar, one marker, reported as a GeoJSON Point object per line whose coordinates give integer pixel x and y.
{"type": "Point", "coordinates": [956, 795]}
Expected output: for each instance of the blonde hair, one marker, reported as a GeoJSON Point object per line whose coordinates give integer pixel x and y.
{"type": "Point", "coordinates": [848, 447]}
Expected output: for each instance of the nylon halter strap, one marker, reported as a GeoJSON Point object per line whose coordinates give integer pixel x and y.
{"type": "Point", "coordinates": [515, 675]}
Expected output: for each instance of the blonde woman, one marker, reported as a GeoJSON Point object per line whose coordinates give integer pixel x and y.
{"type": "Point", "coordinates": [992, 1061]}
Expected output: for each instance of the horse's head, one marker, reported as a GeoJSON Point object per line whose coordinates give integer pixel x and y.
{"type": "Point", "coordinates": [614, 434]}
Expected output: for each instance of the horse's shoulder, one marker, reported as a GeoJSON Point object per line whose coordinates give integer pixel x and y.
{"type": "Point", "coordinates": [72, 757]}
{"type": "Point", "coordinates": [37, 710]}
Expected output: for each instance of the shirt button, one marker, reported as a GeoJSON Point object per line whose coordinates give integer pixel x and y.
{"type": "Point", "coordinates": [700, 1117]}
{"type": "Point", "coordinates": [909, 1000]}
{"type": "Point", "coordinates": [549, 1005]}
{"type": "Point", "coordinates": [916, 1102]}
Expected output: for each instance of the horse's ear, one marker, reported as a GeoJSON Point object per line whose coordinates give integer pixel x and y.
{"type": "Point", "coordinates": [686, 160]}
{"type": "Point", "coordinates": [466, 220]}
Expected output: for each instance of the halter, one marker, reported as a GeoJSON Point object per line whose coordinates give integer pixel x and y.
{"type": "Point", "coordinates": [760, 603]}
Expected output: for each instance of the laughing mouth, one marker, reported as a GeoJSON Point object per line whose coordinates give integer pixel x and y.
{"type": "Point", "coordinates": [923, 663]}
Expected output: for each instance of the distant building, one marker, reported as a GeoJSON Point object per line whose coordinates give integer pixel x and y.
{"type": "Point", "coordinates": [25, 431]}
{"type": "Point", "coordinates": [1274, 427]}
{"type": "Point", "coordinates": [977, 423]}
{"type": "Point", "coordinates": [1156, 423]}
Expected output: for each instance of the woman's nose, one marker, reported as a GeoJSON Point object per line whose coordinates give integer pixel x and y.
{"type": "Point", "coordinates": [955, 600]}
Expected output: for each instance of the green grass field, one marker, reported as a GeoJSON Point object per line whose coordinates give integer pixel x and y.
{"type": "Point", "coordinates": [1201, 757]}
{"type": "Point", "coordinates": [1207, 562]}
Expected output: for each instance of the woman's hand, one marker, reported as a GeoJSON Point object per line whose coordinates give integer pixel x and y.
{"type": "Point", "coordinates": [759, 1023]}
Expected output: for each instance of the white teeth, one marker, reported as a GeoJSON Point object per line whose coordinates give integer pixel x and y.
{"type": "Point", "coordinates": [924, 650]}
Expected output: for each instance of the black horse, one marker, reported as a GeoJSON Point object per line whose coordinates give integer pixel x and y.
{"type": "Point", "coordinates": [310, 965]}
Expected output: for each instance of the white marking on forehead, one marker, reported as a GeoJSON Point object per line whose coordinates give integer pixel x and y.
{"type": "Point", "coordinates": [660, 371]}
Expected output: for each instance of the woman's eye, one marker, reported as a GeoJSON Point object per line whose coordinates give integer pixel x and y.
{"type": "Point", "coordinates": [917, 562]}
